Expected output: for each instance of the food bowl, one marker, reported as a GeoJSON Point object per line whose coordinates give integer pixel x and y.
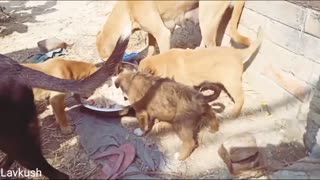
{"type": "Point", "coordinates": [115, 108]}
{"type": "Point", "coordinates": [106, 98]}
{"type": "Point", "coordinates": [110, 94]}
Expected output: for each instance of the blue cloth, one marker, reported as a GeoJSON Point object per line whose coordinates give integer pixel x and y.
{"type": "Point", "coordinates": [129, 57]}
{"type": "Point", "coordinates": [41, 57]}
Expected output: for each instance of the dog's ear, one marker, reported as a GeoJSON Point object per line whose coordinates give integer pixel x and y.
{"type": "Point", "coordinates": [149, 70]}
{"type": "Point", "coordinates": [117, 83]}
{"type": "Point", "coordinates": [119, 69]}
{"type": "Point", "coordinates": [126, 67]}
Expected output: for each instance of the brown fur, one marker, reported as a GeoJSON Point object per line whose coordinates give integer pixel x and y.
{"type": "Point", "coordinates": [222, 65]}
{"type": "Point", "coordinates": [159, 19]}
{"type": "Point", "coordinates": [168, 101]}
{"type": "Point", "coordinates": [64, 69]}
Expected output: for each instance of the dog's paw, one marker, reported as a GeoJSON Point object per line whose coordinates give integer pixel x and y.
{"type": "Point", "coordinates": [66, 130]}
{"type": "Point", "coordinates": [138, 132]}
{"type": "Point", "coordinates": [124, 112]}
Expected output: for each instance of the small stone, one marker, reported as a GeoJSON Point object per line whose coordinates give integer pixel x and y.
{"type": "Point", "coordinates": [241, 147]}
{"type": "Point", "coordinates": [47, 45]}
{"type": "Point", "coordinates": [240, 153]}
{"type": "Point", "coordinates": [251, 163]}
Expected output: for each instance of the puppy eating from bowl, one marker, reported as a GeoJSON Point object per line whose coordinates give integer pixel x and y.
{"type": "Point", "coordinates": [165, 100]}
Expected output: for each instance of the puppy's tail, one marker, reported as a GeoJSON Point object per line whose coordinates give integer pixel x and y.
{"type": "Point", "coordinates": [246, 55]}
{"type": "Point", "coordinates": [215, 87]}
{"type": "Point", "coordinates": [208, 117]}
{"type": "Point", "coordinates": [210, 120]}
{"type": "Point", "coordinates": [86, 86]}
{"type": "Point", "coordinates": [236, 14]}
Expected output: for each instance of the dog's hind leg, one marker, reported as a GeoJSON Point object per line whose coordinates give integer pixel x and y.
{"type": "Point", "coordinates": [153, 24]}
{"type": "Point", "coordinates": [236, 92]}
{"type": "Point", "coordinates": [58, 106]}
{"type": "Point", "coordinates": [186, 131]}
{"type": "Point", "coordinates": [213, 121]}
{"type": "Point", "coordinates": [152, 45]}
{"type": "Point", "coordinates": [210, 15]}
{"type": "Point", "coordinates": [188, 143]}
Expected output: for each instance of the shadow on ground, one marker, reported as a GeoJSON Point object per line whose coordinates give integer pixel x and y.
{"type": "Point", "coordinates": [20, 15]}
{"type": "Point", "coordinates": [23, 55]}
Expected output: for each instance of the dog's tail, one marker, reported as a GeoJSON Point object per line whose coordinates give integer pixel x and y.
{"type": "Point", "coordinates": [209, 119]}
{"type": "Point", "coordinates": [86, 86]}
{"type": "Point", "coordinates": [236, 14]}
{"type": "Point", "coordinates": [215, 87]}
{"type": "Point", "coordinates": [247, 53]}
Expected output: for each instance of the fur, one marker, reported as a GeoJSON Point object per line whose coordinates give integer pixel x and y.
{"type": "Point", "coordinates": [159, 19]}
{"type": "Point", "coordinates": [222, 65]}
{"type": "Point", "coordinates": [168, 101]}
{"type": "Point", "coordinates": [64, 69]}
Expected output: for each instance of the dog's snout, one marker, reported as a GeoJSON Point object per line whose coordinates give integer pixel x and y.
{"type": "Point", "coordinates": [125, 98]}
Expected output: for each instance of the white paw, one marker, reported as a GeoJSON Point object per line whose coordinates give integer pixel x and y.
{"type": "Point", "coordinates": [138, 132]}
{"type": "Point", "coordinates": [176, 156]}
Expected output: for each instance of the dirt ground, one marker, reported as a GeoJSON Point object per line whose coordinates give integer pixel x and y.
{"type": "Point", "coordinates": [77, 23]}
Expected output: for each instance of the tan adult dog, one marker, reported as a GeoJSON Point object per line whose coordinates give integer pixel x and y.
{"type": "Point", "coordinates": [168, 101]}
{"type": "Point", "coordinates": [159, 19]}
{"type": "Point", "coordinates": [222, 65]}
{"type": "Point", "coordinates": [64, 69]}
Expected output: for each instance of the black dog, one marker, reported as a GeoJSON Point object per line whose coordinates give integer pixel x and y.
{"type": "Point", "coordinates": [19, 129]}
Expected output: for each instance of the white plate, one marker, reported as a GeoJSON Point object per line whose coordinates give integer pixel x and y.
{"type": "Point", "coordinates": [116, 108]}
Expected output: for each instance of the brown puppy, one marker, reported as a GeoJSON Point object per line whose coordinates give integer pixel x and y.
{"type": "Point", "coordinates": [168, 101]}
{"type": "Point", "coordinates": [159, 19]}
{"type": "Point", "coordinates": [222, 65]}
{"type": "Point", "coordinates": [64, 69]}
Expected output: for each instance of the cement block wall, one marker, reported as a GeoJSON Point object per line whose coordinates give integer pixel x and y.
{"type": "Point", "coordinates": [292, 37]}
{"type": "Point", "coordinates": [291, 44]}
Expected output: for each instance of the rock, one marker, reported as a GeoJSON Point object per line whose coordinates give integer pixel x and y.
{"type": "Point", "coordinates": [240, 153]}
{"type": "Point", "coordinates": [241, 147]}
{"type": "Point", "coordinates": [47, 45]}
